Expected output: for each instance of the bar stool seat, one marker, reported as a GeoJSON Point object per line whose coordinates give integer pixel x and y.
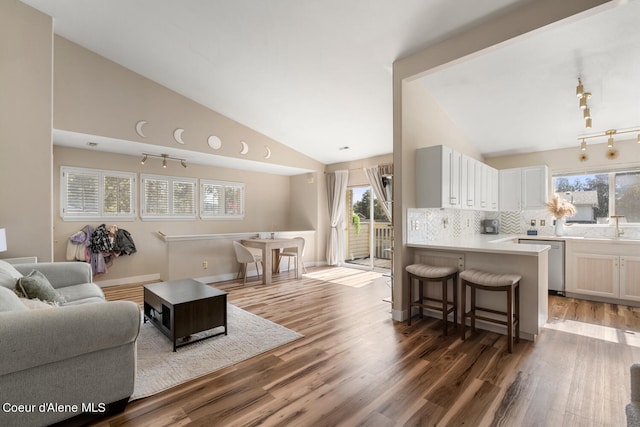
{"type": "Point", "coordinates": [434, 274]}
{"type": "Point", "coordinates": [495, 282]}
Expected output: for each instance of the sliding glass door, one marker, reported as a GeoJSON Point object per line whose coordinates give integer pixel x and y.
{"type": "Point", "coordinates": [368, 234]}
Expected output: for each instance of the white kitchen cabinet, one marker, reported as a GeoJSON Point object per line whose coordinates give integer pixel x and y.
{"type": "Point", "coordinates": [487, 183]}
{"type": "Point", "coordinates": [468, 182]}
{"type": "Point", "coordinates": [448, 179]}
{"type": "Point", "coordinates": [630, 277]}
{"type": "Point", "coordinates": [493, 184]}
{"type": "Point", "coordinates": [523, 188]}
{"type": "Point", "coordinates": [438, 174]}
{"type": "Point", "coordinates": [605, 270]}
{"type": "Point", "coordinates": [595, 274]}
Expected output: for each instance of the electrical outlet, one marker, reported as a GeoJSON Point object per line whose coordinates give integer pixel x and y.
{"type": "Point", "coordinates": [205, 264]}
{"type": "Point", "coordinates": [533, 222]}
{"type": "Point", "coordinates": [542, 222]}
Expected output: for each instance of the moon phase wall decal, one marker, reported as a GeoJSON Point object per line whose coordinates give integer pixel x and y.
{"type": "Point", "coordinates": [177, 135]}
{"type": "Point", "coordinates": [214, 142]}
{"type": "Point", "coordinates": [245, 148]}
{"type": "Point", "coordinates": [139, 129]}
{"type": "Point", "coordinates": [268, 154]}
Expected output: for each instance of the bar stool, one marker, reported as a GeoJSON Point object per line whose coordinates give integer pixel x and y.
{"type": "Point", "coordinates": [428, 273]}
{"type": "Point", "coordinates": [493, 282]}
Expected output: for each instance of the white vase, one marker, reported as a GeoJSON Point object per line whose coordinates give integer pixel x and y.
{"type": "Point", "coordinates": [559, 227]}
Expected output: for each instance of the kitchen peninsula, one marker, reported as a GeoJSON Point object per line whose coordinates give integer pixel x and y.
{"type": "Point", "coordinates": [498, 254]}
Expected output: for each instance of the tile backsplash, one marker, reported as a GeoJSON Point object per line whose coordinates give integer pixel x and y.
{"type": "Point", "coordinates": [428, 225]}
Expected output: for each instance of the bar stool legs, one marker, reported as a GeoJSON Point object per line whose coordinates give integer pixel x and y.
{"type": "Point", "coordinates": [430, 274]}
{"type": "Point", "coordinates": [479, 280]}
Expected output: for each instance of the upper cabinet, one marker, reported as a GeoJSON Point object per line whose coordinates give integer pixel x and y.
{"type": "Point", "coordinates": [438, 177]}
{"type": "Point", "coordinates": [448, 179]}
{"type": "Point", "coordinates": [523, 188]}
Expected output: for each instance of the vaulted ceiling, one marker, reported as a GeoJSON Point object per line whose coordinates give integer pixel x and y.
{"type": "Point", "coordinates": [316, 75]}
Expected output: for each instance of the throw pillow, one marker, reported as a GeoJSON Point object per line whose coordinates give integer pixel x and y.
{"type": "Point", "coordinates": [8, 275]}
{"type": "Point", "coordinates": [9, 301]}
{"type": "Point", "coordinates": [36, 285]}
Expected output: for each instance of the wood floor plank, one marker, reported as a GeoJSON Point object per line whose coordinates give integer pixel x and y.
{"type": "Point", "coordinates": [355, 366]}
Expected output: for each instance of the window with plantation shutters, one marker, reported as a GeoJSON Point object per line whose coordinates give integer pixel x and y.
{"type": "Point", "coordinates": [221, 200]}
{"type": "Point", "coordinates": [167, 197]}
{"type": "Point", "coordinates": [92, 194]}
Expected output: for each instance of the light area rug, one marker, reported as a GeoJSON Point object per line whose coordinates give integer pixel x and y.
{"type": "Point", "coordinates": [159, 368]}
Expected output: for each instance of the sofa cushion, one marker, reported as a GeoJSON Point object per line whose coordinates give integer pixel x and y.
{"type": "Point", "coordinates": [8, 275]}
{"type": "Point", "coordinates": [79, 294]}
{"type": "Point", "coordinates": [36, 285]}
{"type": "Point", "coordinates": [9, 301]}
{"type": "Point", "coordinates": [36, 304]}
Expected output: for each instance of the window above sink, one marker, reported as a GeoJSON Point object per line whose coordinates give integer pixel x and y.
{"type": "Point", "coordinates": [601, 195]}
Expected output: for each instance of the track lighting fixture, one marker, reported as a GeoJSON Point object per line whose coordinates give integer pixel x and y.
{"type": "Point", "coordinates": [579, 89]}
{"type": "Point", "coordinates": [587, 123]}
{"type": "Point", "coordinates": [165, 158]}
{"type": "Point", "coordinates": [609, 134]}
{"type": "Point", "coordinates": [586, 113]}
{"type": "Point", "coordinates": [584, 99]}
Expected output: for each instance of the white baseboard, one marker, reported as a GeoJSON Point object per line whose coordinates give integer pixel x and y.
{"type": "Point", "coordinates": [217, 278]}
{"type": "Point", "coordinates": [128, 280]}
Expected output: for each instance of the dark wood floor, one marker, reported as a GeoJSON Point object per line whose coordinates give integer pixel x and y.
{"type": "Point", "coordinates": [357, 367]}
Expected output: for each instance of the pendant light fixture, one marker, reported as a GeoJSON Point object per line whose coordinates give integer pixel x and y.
{"type": "Point", "coordinates": [579, 89]}
{"type": "Point", "coordinates": [584, 99]}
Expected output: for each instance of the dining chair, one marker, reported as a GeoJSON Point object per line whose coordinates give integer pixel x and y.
{"type": "Point", "coordinates": [293, 253]}
{"type": "Point", "coordinates": [245, 256]}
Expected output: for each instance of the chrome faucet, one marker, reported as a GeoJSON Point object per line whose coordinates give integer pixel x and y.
{"type": "Point", "coordinates": [619, 232]}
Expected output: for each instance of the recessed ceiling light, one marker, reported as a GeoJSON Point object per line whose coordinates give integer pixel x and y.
{"type": "Point", "coordinates": [346, 147]}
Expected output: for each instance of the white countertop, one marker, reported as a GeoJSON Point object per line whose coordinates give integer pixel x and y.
{"type": "Point", "coordinates": [505, 243]}
{"type": "Point", "coordinates": [487, 243]}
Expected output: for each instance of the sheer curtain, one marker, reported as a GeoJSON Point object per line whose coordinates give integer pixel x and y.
{"type": "Point", "coordinates": [336, 192]}
{"type": "Point", "coordinates": [379, 182]}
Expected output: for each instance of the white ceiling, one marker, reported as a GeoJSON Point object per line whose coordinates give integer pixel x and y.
{"type": "Point", "coordinates": [522, 97]}
{"type": "Point", "coordinates": [316, 74]}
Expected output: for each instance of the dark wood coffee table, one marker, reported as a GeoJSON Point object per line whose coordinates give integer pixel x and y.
{"type": "Point", "coordinates": [180, 308]}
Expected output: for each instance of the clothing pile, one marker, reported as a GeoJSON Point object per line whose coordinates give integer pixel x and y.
{"type": "Point", "coordinates": [100, 246]}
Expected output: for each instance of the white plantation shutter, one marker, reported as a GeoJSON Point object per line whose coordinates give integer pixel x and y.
{"type": "Point", "coordinates": [184, 198]}
{"type": "Point", "coordinates": [168, 197]}
{"type": "Point", "coordinates": [83, 193]}
{"type": "Point", "coordinates": [156, 197]}
{"type": "Point", "coordinates": [221, 200]}
{"type": "Point", "coordinates": [87, 194]}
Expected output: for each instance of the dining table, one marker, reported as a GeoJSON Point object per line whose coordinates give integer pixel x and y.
{"type": "Point", "coordinates": [271, 254]}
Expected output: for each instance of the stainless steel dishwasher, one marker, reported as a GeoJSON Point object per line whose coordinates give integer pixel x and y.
{"type": "Point", "coordinates": [556, 262]}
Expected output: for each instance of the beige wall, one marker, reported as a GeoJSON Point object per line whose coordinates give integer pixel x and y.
{"type": "Point", "coordinates": [567, 160]}
{"type": "Point", "coordinates": [25, 130]}
{"type": "Point", "coordinates": [357, 177]}
{"type": "Point", "coordinates": [504, 28]}
{"type": "Point", "coordinates": [98, 97]}
{"type": "Point", "coordinates": [267, 207]}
